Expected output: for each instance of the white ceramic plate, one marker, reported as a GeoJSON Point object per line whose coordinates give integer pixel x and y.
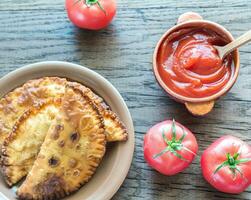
{"type": "Point", "coordinates": [116, 163]}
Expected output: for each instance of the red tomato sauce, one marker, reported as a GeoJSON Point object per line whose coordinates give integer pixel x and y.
{"type": "Point", "coordinates": [190, 66]}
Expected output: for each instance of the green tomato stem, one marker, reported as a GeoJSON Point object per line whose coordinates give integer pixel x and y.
{"type": "Point", "coordinates": [174, 145]}
{"type": "Point", "coordinates": [89, 3]}
{"type": "Point", "coordinates": [232, 162]}
{"type": "Point", "coordinates": [93, 2]}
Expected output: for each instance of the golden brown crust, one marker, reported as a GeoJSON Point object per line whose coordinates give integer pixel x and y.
{"type": "Point", "coordinates": [61, 169]}
{"type": "Point", "coordinates": [16, 102]}
{"type": "Point", "coordinates": [115, 130]}
{"type": "Point", "coordinates": [22, 104]}
{"type": "Point", "coordinates": [14, 165]}
{"type": "Point", "coordinates": [13, 104]}
{"type": "Point", "coordinates": [97, 100]}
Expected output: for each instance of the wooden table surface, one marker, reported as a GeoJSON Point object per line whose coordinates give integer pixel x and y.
{"type": "Point", "coordinates": [39, 30]}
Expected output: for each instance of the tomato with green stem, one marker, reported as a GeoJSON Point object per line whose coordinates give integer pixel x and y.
{"type": "Point", "coordinates": [226, 164]}
{"type": "Point", "coordinates": [91, 14]}
{"type": "Point", "coordinates": [169, 147]}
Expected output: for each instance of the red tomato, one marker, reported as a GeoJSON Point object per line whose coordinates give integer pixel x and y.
{"type": "Point", "coordinates": [169, 147]}
{"type": "Point", "coordinates": [91, 14]}
{"type": "Point", "coordinates": [226, 164]}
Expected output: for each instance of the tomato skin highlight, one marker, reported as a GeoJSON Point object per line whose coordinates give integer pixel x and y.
{"type": "Point", "coordinates": [91, 17]}
{"type": "Point", "coordinates": [168, 163]}
{"type": "Point", "coordinates": [223, 180]}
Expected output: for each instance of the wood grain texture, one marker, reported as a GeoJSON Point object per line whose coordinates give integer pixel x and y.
{"type": "Point", "coordinates": [32, 31]}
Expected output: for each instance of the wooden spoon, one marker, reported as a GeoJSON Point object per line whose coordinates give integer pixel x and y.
{"type": "Point", "coordinates": [223, 51]}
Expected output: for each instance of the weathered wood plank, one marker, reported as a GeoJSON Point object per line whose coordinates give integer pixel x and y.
{"type": "Point", "coordinates": [32, 31]}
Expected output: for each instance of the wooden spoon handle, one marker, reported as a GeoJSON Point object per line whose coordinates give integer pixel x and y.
{"type": "Point", "coordinates": [246, 37]}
